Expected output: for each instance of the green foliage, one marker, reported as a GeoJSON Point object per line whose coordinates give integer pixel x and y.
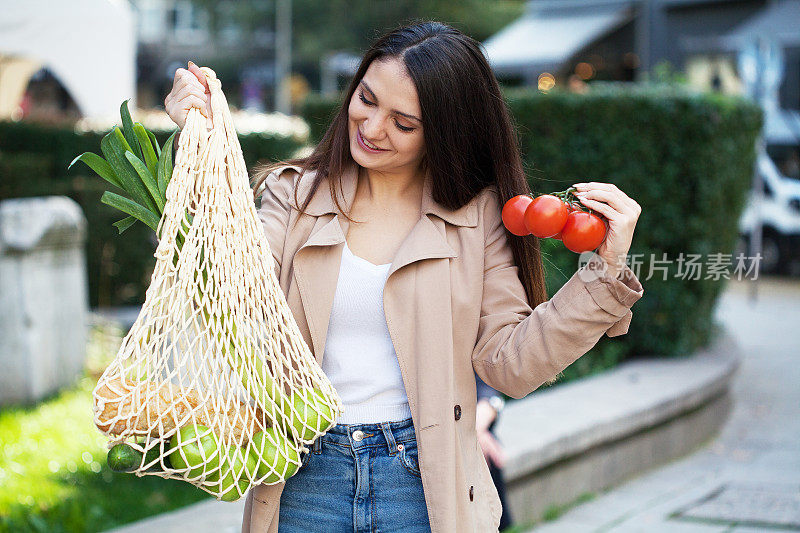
{"type": "Point", "coordinates": [686, 158]}
{"type": "Point", "coordinates": [54, 477]}
{"type": "Point", "coordinates": [33, 162]}
{"type": "Point", "coordinates": [319, 111]}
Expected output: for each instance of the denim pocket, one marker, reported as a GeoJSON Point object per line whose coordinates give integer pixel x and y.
{"type": "Point", "coordinates": [409, 458]}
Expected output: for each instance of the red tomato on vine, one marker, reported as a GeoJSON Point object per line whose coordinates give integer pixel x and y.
{"type": "Point", "coordinates": [546, 215]}
{"type": "Point", "coordinates": [583, 232]}
{"type": "Point", "coordinates": [513, 214]}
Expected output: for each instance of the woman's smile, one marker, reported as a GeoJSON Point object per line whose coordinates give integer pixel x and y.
{"type": "Point", "coordinates": [366, 145]}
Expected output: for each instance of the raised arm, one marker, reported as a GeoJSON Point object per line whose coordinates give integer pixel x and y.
{"type": "Point", "coordinates": [520, 348]}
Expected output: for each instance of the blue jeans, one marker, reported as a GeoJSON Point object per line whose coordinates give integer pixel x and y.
{"type": "Point", "coordinates": [357, 478]}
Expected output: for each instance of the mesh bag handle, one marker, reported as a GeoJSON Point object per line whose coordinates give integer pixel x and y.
{"type": "Point", "coordinates": [214, 383]}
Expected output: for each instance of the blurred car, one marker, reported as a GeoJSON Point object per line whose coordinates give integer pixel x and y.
{"type": "Point", "coordinates": [777, 208]}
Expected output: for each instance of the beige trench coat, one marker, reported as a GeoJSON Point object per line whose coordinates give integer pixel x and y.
{"type": "Point", "coordinates": [453, 303]}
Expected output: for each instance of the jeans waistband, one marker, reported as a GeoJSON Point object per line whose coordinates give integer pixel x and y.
{"type": "Point", "coordinates": [361, 436]}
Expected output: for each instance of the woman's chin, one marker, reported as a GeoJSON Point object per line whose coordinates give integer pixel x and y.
{"type": "Point", "coordinates": [361, 158]}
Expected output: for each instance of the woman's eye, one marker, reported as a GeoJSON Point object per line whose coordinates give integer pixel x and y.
{"type": "Point", "coordinates": [367, 102]}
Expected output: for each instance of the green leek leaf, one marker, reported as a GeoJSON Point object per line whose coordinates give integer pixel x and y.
{"type": "Point", "coordinates": [100, 166]}
{"type": "Point", "coordinates": [125, 223]}
{"type": "Point", "coordinates": [147, 149]}
{"type": "Point", "coordinates": [155, 143]}
{"type": "Point", "coordinates": [165, 165]}
{"type": "Point", "coordinates": [126, 205]}
{"type": "Point", "coordinates": [130, 179]}
{"type": "Point", "coordinates": [127, 127]}
{"type": "Point", "coordinates": [147, 179]}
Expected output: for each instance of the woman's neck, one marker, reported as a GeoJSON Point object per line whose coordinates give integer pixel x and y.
{"type": "Point", "coordinates": [381, 188]}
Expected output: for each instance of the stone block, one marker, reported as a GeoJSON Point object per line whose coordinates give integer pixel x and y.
{"type": "Point", "coordinates": [43, 296]}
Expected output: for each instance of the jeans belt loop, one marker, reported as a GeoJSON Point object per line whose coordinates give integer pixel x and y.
{"type": "Point", "coordinates": [317, 446]}
{"type": "Point", "coordinates": [390, 442]}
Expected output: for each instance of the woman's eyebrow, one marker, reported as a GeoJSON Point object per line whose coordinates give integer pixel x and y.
{"type": "Point", "coordinates": [393, 110]}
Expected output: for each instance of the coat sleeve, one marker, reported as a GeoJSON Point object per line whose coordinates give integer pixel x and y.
{"type": "Point", "coordinates": [519, 348]}
{"type": "Point", "coordinates": [275, 209]}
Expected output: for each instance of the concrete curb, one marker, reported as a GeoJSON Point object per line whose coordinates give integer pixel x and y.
{"type": "Point", "coordinates": [591, 434]}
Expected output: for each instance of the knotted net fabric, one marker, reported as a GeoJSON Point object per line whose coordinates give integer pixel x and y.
{"type": "Point", "coordinates": [214, 383]}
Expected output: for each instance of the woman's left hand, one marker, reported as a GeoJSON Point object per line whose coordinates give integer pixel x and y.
{"type": "Point", "coordinates": [622, 213]}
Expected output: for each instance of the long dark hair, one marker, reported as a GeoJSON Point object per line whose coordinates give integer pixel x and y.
{"type": "Point", "coordinates": [470, 140]}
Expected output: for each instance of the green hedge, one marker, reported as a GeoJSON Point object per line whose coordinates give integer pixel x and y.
{"type": "Point", "coordinates": [33, 162]}
{"type": "Point", "coordinates": [686, 158]}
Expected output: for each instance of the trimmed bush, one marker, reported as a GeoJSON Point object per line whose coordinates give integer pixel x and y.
{"type": "Point", "coordinates": [687, 158]}
{"type": "Point", "coordinates": [318, 111]}
{"type": "Point", "coordinates": [33, 162]}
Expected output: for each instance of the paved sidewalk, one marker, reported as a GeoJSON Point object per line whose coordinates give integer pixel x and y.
{"type": "Point", "coordinates": [747, 479]}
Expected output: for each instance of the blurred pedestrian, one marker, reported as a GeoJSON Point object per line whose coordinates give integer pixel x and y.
{"type": "Point", "coordinates": [487, 412]}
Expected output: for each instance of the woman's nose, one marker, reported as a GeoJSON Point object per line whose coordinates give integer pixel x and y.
{"type": "Point", "coordinates": [372, 128]}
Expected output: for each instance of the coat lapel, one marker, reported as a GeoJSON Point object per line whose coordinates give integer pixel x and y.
{"type": "Point", "coordinates": [317, 261]}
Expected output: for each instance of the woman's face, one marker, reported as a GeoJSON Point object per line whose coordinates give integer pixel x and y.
{"type": "Point", "coordinates": [384, 111]}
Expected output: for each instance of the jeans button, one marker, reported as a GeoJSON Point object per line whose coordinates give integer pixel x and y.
{"type": "Point", "coordinates": [358, 435]}
{"type": "Point", "coordinates": [457, 411]}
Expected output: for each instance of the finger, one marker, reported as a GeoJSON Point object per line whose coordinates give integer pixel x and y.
{"type": "Point", "coordinates": [613, 198]}
{"type": "Point", "coordinates": [182, 78]}
{"type": "Point", "coordinates": [610, 187]}
{"type": "Point", "coordinates": [200, 76]}
{"type": "Point", "coordinates": [190, 79]}
{"type": "Point", "coordinates": [604, 209]}
{"type": "Point", "coordinates": [190, 90]}
{"type": "Point", "coordinates": [194, 101]}
{"type": "Point", "coordinates": [595, 185]}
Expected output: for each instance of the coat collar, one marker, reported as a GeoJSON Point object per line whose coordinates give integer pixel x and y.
{"type": "Point", "coordinates": [322, 203]}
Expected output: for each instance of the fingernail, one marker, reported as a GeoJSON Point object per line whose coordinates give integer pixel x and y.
{"type": "Point", "coordinates": [191, 63]}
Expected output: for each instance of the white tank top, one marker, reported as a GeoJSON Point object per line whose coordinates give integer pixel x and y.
{"type": "Point", "coordinates": [359, 357]}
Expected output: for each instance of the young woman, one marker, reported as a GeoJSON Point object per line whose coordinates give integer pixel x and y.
{"type": "Point", "coordinates": [390, 249]}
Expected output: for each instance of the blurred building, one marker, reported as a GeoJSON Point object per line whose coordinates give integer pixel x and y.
{"type": "Point", "coordinates": [571, 42]}
{"type": "Point", "coordinates": [63, 60]}
{"type": "Point", "coordinates": [172, 32]}
{"type": "Point", "coordinates": [67, 60]}
{"type": "Point", "coordinates": [621, 40]}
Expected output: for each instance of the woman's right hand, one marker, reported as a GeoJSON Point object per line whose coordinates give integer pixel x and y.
{"type": "Point", "coordinates": [189, 89]}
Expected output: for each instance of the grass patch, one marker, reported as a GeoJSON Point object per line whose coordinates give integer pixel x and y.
{"type": "Point", "coordinates": [556, 511]}
{"type": "Point", "coordinates": [53, 472]}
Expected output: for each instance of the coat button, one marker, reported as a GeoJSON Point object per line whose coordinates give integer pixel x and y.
{"type": "Point", "coordinates": [457, 412]}
{"type": "Point", "coordinates": [471, 493]}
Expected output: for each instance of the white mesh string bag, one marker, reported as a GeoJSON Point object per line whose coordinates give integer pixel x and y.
{"type": "Point", "coordinates": [214, 383]}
